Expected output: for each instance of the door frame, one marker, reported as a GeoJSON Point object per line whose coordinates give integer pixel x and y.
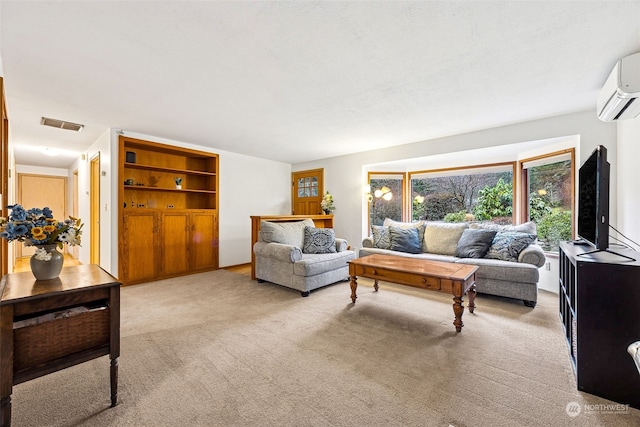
{"type": "Point", "coordinates": [94, 211]}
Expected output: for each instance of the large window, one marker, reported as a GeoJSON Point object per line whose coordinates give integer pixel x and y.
{"type": "Point", "coordinates": [482, 193]}
{"type": "Point", "coordinates": [385, 197]}
{"type": "Point", "coordinates": [548, 189]}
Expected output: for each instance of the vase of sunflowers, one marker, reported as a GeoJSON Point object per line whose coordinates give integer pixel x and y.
{"type": "Point", "coordinates": [37, 227]}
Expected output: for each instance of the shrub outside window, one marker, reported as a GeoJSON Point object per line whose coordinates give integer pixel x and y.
{"type": "Point", "coordinates": [482, 193]}
{"type": "Point", "coordinates": [548, 185]}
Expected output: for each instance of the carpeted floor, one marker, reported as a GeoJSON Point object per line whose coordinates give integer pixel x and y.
{"type": "Point", "coordinates": [217, 349]}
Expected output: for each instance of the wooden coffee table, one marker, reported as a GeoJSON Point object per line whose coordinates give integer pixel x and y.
{"type": "Point", "coordinates": [453, 278]}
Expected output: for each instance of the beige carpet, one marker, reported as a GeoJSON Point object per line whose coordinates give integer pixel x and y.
{"type": "Point", "coordinates": [217, 349]}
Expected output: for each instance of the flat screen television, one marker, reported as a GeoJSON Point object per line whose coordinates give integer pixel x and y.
{"type": "Point", "coordinates": [593, 199]}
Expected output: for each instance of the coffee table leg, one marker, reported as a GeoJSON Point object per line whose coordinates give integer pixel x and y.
{"type": "Point", "coordinates": [354, 285]}
{"type": "Point", "coordinates": [458, 309]}
{"type": "Point", "coordinates": [375, 285]}
{"type": "Point", "coordinates": [471, 294]}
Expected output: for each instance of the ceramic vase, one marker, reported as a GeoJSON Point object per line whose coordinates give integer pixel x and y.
{"type": "Point", "coordinates": [46, 270]}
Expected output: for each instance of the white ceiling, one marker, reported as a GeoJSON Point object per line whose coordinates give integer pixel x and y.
{"type": "Point", "coordinates": [299, 81]}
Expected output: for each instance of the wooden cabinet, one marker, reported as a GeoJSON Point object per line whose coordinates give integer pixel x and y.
{"type": "Point", "coordinates": [139, 246]}
{"type": "Point", "coordinates": [599, 300]}
{"type": "Point", "coordinates": [168, 210]}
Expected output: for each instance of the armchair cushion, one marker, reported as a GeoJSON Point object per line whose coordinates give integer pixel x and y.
{"type": "Point", "coordinates": [319, 240]}
{"type": "Point", "coordinates": [288, 233]}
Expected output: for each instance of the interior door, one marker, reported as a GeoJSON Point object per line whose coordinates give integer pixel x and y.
{"type": "Point", "coordinates": [94, 248]}
{"type": "Point", "coordinates": [307, 190]}
{"type": "Point", "coordinates": [38, 191]}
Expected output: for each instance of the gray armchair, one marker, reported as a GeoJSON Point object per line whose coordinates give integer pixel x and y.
{"type": "Point", "coordinates": [283, 258]}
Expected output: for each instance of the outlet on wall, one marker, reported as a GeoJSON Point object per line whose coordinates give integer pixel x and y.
{"type": "Point", "coordinates": [547, 266]}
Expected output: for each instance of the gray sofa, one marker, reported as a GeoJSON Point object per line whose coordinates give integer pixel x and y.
{"type": "Point", "coordinates": [508, 269]}
{"type": "Point", "coordinates": [299, 256]}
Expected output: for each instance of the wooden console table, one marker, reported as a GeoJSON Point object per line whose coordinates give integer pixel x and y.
{"type": "Point", "coordinates": [320, 221]}
{"type": "Point", "coordinates": [49, 325]}
{"type": "Point", "coordinates": [453, 278]}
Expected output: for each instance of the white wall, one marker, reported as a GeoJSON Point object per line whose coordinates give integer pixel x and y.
{"type": "Point", "coordinates": [628, 220]}
{"type": "Point", "coordinates": [346, 176]}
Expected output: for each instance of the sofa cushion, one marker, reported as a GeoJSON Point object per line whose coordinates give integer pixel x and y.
{"type": "Point", "coordinates": [526, 227]}
{"type": "Point", "coordinates": [319, 241]}
{"type": "Point", "coordinates": [442, 238]}
{"type": "Point", "coordinates": [507, 245]}
{"type": "Point", "coordinates": [474, 243]}
{"type": "Point", "coordinates": [405, 240]}
{"type": "Point", "coordinates": [381, 236]}
{"type": "Point", "coordinates": [288, 233]}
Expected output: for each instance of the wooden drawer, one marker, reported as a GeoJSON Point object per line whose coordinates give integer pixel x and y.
{"type": "Point", "coordinates": [418, 281]}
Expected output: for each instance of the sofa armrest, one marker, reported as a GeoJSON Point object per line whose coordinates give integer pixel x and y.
{"type": "Point", "coordinates": [341, 245]}
{"type": "Point", "coordinates": [533, 254]}
{"type": "Point", "coordinates": [278, 251]}
{"type": "Point", "coordinates": [367, 242]}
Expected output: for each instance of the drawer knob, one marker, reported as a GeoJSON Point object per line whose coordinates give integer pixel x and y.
{"type": "Point", "coordinates": [424, 280]}
{"type": "Point", "coordinates": [375, 272]}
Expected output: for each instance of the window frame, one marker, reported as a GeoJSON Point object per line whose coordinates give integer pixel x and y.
{"type": "Point", "coordinates": [403, 186]}
{"type": "Point", "coordinates": [546, 158]}
{"type": "Point", "coordinates": [511, 164]}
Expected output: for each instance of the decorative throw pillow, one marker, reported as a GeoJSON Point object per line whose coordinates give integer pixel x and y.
{"type": "Point", "coordinates": [319, 241]}
{"type": "Point", "coordinates": [381, 237]}
{"type": "Point", "coordinates": [507, 245]}
{"type": "Point", "coordinates": [442, 238]}
{"type": "Point", "coordinates": [420, 225]}
{"type": "Point", "coordinates": [405, 240]}
{"type": "Point", "coordinates": [474, 243]}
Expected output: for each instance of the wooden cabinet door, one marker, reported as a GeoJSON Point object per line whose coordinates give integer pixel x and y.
{"type": "Point", "coordinates": [204, 240]}
{"type": "Point", "coordinates": [175, 231]}
{"type": "Point", "coordinates": [139, 248]}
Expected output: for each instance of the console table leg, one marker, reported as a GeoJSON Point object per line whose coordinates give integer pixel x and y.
{"type": "Point", "coordinates": [5, 411]}
{"type": "Point", "coordinates": [354, 286]}
{"type": "Point", "coordinates": [458, 309]}
{"type": "Point", "coordinates": [375, 285]}
{"type": "Point", "coordinates": [114, 382]}
{"type": "Point", "coordinates": [471, 294]}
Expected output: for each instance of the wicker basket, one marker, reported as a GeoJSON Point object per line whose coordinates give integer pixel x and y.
{"type": "Point", "coordinates": [60, 337]}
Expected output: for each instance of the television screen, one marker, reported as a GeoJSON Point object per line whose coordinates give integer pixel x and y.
{"type": "Point", "coordinates": [593, 199]}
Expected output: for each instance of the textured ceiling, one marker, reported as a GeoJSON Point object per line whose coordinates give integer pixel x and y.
{"type": "Point", "coordinates": [299, 81]}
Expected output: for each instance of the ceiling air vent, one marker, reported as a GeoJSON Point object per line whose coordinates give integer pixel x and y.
{"type": "Point", "coordinates": [46, 121]}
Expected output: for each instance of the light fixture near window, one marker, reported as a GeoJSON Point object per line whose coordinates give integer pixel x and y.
{"type": "Point", "coordinates": [61, 124]}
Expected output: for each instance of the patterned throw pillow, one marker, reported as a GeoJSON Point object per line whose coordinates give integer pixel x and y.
{"type": "Point", "coordinates": [381, 237]}
{"type": "Point", "coordinates": [474, 243]}
{"type": "Point", "coordinates": [319, 241]}
{"type": "Point", "coordinates": [507, 245]}
{"type": "Point", "coordinates": [405, 240]}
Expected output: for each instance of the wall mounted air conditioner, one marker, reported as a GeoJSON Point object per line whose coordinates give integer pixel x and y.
{"type": "Point", "coordinates": [619, 98]}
